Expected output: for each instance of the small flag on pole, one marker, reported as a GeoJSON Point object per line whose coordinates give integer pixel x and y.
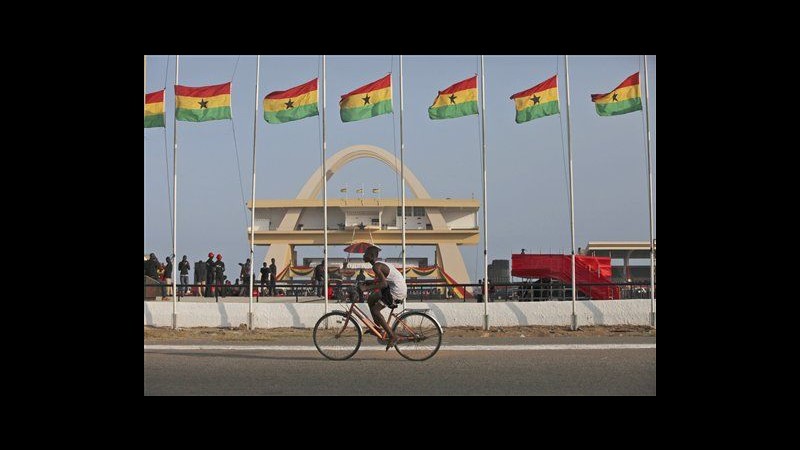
{"type": "Point", "coordinates": [360, 191]}
{"type": "Point", "coordinates": [154, 109]}
{"type": "Point", "coordinates": [200, 104]}
{"type": "Point", "coordinates": [296, 103]}
{"type": "Point", "coordinates": [623, 99]}
{"type": "Point", "coordinates": [460, 99]}
{"type": "Point", "coordinates": [370, 100]}
{"type": "Point", "coordinates": [375, 190]}
{"type": "Point", "coordinates": [343, 190]}
{"type": "Point", "coordinates": [538, 101]}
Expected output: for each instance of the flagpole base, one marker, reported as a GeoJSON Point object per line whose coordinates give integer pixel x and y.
{"type": "Point", "coordinates": [574, 321]}
{"type": "Point", "coordinates": [486, 322]}
{"type": "Point", "coordinates": [174, 321]}
{"type": "Point", "coordinates": [653, 319]}
{"type": "Point", "coordinates": [250, 321]}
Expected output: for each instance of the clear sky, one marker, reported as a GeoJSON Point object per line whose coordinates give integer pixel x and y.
{"type": "Point", "coordinates": [526, 163]}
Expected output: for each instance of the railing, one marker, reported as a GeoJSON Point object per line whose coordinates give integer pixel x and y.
{"type": "Point", "coordinates": [310, 291]}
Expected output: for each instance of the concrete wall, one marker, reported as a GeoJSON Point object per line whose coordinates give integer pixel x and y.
{"type": "Point", "coordinates": [305, 315]}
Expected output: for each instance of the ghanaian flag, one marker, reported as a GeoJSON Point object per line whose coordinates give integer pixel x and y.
{"type": "Point", "coordinates": [623, 99]}
{"type": "Point", "coordinates": [199, 104]}
{"type": "Point", "coordinates": [296, 103]}
{"type": "Point", "coordinates": [154, 109]}
{"type": "Point", "coordinates": [370, 100]}
{"type": "Point", "coordinates": [460, 99]}
{"type": "Point", "coordinates": [538, 101]}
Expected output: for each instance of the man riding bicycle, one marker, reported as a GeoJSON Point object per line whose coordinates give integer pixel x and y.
{"type": "Point", "coordinates": [392, 287]}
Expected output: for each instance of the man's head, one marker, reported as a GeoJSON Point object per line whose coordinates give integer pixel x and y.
{"type": "Point", "coordinates": [371, 254]}
{"type": "Point", "coordinates": [184, 257]}
{"type": "Point", "coordinates": [168, 259]}
{"type": "Point", "coordinates": [265, 264]}
{"type": "Point", "coordinates": [219, 257]}
{"type": "Point", "coordinates": [210, 254]}
{"type": "Point", "coordinates": [273, 260]}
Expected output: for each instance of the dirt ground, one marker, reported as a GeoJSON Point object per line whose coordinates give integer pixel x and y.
{"type": "Point", "coordinates": [242, 334]}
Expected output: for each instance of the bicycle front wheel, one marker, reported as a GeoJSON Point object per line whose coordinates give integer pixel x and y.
{"type": "Point", "coordinates": [336, 336]}
{"type": "Point", "coordinates": [419, 336]}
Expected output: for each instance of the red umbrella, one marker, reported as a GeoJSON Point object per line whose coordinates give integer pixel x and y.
{"type": "Point", "coordinates": [358, 247]}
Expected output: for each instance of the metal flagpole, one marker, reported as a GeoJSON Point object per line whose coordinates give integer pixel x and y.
{"type": "Point", "coordinates": [145, 155]}
{"type": "Point", "coordinates": [324, 188]}
{"type": "Point", "coordinates": [175, 205]}
{"type": "Point", "coordinates": [650, 194]}
{"type": "Point", "coordinates": [253, 199]}
{"type": "Point", "coordinates": [402, 171]}
{"type": "Point", "coordinates": [485, 208]}
{"type": "Point", "coordinates": [571, 200]}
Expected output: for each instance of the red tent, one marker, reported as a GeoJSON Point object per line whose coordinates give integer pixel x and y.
{"type": "Point", "coordinates": [588, 269]}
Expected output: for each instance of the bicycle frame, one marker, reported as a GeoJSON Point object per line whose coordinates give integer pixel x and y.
{"type": "Point", "coordinates": [376, 329]}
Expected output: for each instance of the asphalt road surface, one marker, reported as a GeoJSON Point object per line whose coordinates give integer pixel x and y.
{"type": "Point", "coordinates": [464, 366]}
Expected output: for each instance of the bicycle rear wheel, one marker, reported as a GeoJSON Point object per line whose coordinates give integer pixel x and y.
{"type": "Point", "coordinates": [336, 336]}
{"type": "Point", "coordinates": [420, 336]}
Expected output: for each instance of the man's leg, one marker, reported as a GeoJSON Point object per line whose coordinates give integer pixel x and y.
{"type": "Point", "coordinates": [375, 307]}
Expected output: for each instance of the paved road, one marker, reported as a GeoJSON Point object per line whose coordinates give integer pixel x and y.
{"type": "Point", "coordinates": [450, 372]}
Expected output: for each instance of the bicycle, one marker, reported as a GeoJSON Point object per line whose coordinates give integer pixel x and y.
{"type": "Point", "coordinates": [337, 334]}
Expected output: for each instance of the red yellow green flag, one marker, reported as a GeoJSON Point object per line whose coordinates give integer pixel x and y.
{"type": "Point", "coordinates": [370, 100]}
{"type": "Point", "coordinates": [154, 109]}
{"type": "Point", "coordinates": [199, 104]}
{"type": "Point", "coordinates": [460, 99]}
{"type": "Point", "coordinates": [538, 101]}
{"type": "Point", "coordinates": [296, 103]}
{"type": "Point", "coordinates": [623, 99]}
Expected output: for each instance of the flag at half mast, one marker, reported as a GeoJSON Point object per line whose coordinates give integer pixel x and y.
{"type": "Point", "coordinates": [538, 101]}
{"type": "Point", "coordinates": [460, 99]}
{"type": "Point", "coordinates": [370, 100]}
{"type": "Point", "coordinates": [296, 103]}
{"type": "Point", "coordinates": [154, 109]}
{"type": "Point", "coordinates": [199, 104]}
{"type": "Point", "coordinates": [623, 99]}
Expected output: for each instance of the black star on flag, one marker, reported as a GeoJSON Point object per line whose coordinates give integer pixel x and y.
{"type": "Point", "coordinates": [614, 97]}
{"type": "Point", "coordinates": [289, 104]}
{"type": "Point", "coordinates": [366, 99]}
{"type": "Point", "coordinates": [535, 99]}
{"type": "Point", "coordinates": [453, 99]}
{"type": "Point", "coordinates": [203, 104]}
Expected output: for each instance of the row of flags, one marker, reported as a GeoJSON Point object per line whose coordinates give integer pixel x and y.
{"type": "Point", "coordinates": [361, 190]}
{"type": "Point", "coordinates": [200, 104]}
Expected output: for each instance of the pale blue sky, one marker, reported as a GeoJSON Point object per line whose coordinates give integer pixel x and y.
{"type": "Point", "coordinates": [526, 163]}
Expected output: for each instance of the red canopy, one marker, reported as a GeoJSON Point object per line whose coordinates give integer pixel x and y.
{"type": "Point", "coordinates": [358, 247]}
{"type": "Point", "coordinates": [588, 270]}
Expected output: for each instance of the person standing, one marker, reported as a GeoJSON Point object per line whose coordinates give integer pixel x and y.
{"type": "Point", "coordinates": [210, 271]}
{"type": "Point", "coordinates": [168, 276]}
{"type": "Point", "coordinates": [319, 277]}
{"type": "Point", "coordinates": [219, 275]}
{"type": "Point", "coordinates": [273, 272]}
{"type": "Point", "coordinates": [183, 267]}
{"type": "Point", "coordinates": [244, 275]}
{"type": "Point", "coordinates": [264, 277]}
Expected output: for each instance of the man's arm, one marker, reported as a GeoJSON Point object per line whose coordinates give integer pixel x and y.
{"type": "Point", "coordinates": [380, 279]}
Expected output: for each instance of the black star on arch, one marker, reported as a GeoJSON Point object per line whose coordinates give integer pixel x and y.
{"type": "Point", "coordinates": [203, 104]}
{"type": "Point", "coordinates": [535, 99]}
{"type": "Point", "coordinates": [366, 99]}
{"type": "Point", "coordinates": [614, 97]}
{"type": "Point", "coordinates": [289, 104]}
{"type": "Point", "coordinates": [453, 99]}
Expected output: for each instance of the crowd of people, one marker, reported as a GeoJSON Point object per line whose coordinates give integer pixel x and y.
{"type": "Point", "coordinates": [210, 278]}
